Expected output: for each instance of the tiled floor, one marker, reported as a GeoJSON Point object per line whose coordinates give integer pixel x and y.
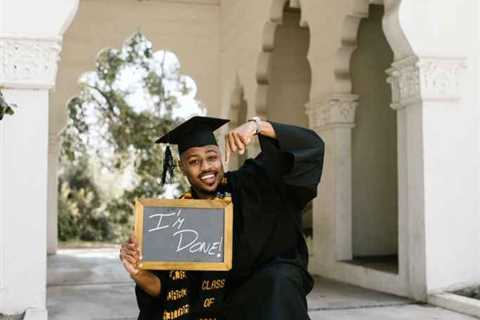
{"type": "Point", "coordinates": [92, 285]}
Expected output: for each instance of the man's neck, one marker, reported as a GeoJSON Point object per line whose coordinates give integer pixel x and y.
{"type": "Point", "coordinates": [202, 195]}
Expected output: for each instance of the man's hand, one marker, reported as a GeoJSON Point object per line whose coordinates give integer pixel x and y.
{"type": "Point", "coordinates": [130, 256]}
{"type": "Point", "coordinates": [236, 140]}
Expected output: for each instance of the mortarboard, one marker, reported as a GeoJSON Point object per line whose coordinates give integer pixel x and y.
{"type": "Point", "coordinates": [195, 132]}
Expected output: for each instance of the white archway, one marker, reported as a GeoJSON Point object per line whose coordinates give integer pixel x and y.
{"type": "Point", "coordinates": [264, 60]}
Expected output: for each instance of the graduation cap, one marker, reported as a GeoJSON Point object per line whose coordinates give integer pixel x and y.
{"type": "Point", "coordinates": [195, 132]}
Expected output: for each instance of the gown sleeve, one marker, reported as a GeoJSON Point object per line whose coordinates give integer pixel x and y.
{"type": "Point", "coordinates": [151, 307]}
{"type": "Point", "coordinates": [295, 158]}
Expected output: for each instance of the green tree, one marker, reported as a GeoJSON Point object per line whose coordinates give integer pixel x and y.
{"type": "Point", "coordinates": [109, 125]}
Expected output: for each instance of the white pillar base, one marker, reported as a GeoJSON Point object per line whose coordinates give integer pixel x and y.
{"type": "Point", "coordinates": [36, 314]}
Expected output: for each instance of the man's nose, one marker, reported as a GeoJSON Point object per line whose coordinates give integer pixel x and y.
{"type": "Point", "coordinates": [205, 165]}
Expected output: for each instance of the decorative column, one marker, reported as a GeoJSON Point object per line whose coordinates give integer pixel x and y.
{"type": "Point", "coordinates": [423, 91]}
{"type": "Point", "coordinates": [28, 68]}
{"type": "Point", "coordinates": [333, 118]}
{"type": "Point", "coordinates": [428, 79]}
{"type": "Point", "coordinates": [28, 62]}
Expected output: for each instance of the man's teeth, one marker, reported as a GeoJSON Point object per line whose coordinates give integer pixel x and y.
{"type": "Point", "coordinates": [208, 176]}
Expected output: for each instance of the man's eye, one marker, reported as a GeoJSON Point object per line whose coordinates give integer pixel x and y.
{"type": "Point", "coordinates": [193, 162]}
{"type": "Point", "coordinates": [212, 158]}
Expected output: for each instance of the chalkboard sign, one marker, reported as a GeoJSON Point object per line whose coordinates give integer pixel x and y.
{"type": "Point", "coordinates": [184, 234]}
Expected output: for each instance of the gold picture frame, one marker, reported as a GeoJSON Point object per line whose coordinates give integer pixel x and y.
{"type": "Point", "coordinates": [226, 204]}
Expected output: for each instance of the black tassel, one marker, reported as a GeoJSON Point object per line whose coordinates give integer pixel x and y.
{"type": "Point", "coordinates": [168, 166]}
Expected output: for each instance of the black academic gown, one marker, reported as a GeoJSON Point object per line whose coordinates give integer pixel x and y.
{"type": "Point", "coordinates": [269, 194]}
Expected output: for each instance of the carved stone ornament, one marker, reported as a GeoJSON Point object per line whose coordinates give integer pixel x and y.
{"type": "Point", "coordinates": [336, 111]}
{"type": "Point", "coordinates": [415, 80]}
{"type": "Point", "coordinates": [28, 62]}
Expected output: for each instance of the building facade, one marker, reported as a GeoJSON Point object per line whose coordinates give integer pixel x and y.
{"type": "Point", "coordinates": [390, 85]}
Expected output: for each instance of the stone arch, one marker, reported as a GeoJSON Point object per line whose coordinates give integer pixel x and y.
{"type": "Point", "coordinates": [375, 130]}
{"type": "Point", "coordinates": [264, 60]}
{"type": "Point", "coordinates": [337, 112]}
{"type": "Point", "coordinates": [71, 16]}
{"type": "Point", "coordinates": [332, 112]}
{"type": "Point", "coordinates": [284, 73]}
{"type": "Point", "coordinates": [189, 101]}
{"type": "Point", "coordinates": [393, 30]}
{"type": "Point", "coordinates": [348, 44]}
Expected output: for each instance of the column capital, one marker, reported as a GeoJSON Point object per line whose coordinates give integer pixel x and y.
{"type": "Point", "coordinates": [337, 110]}
{"type": "Point", "coordinates": [28, 62]}
{"type": "Point", "coordinates": [418, 79]}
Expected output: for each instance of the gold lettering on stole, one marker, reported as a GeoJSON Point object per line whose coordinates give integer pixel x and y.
{"type": "Point", "coordinates": [207, 303]}
{"type": "Point", "coordinates": [213, 284]}
{"type": "Point", "coordinates": [176, 294]}
{"type": "Point", "coordinates": [171, 315]}
{"type": "Point", "coordinates": [177, 275]}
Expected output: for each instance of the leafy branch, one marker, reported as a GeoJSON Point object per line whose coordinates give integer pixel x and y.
{"type": "Point", "coordinates": [5, 107]}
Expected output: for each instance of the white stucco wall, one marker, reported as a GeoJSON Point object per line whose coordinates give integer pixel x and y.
{"type": "Point", "coordinates": [23, 190]}
{"type": "Point", "coordinates": [43, 18]}
{"type": "Point", "coordinates": [450, 143]}
{"type": "Point", "coordinates": [2, 209]}
{"type": "Point", "coordinates": [30, 42]}
{"type": "Point", "coordinates": [477, 117]}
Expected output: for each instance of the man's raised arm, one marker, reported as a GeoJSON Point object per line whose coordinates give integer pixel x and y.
{"type": "Point", "coordinates": [290, 154]}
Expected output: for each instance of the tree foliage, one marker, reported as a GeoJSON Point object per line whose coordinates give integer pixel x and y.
{"type": "Point", "coordinates": [5, 107]}
{"type": "Point", "coordinates": [124, 105]}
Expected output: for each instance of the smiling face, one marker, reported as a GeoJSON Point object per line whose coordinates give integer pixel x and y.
{"type": "Point", "coordinates": [203, 168]}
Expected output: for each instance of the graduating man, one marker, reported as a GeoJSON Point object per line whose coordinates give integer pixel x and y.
{"type": "Point", "coordinates": [269, 277]}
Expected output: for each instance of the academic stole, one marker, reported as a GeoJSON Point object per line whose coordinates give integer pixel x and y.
{"type": "Point", "coordinates": [210, 295]}
{"type": "Point", "coordinates": [177, 297]}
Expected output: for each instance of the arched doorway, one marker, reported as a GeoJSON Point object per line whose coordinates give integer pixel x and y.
{"type": "Point", "coordinates": [284, 77]}
{"type": "Point", "coordinates": [374, 150]}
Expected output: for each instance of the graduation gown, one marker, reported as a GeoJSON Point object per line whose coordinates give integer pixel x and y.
{"type": "Point", "coordinates": [269, 194]}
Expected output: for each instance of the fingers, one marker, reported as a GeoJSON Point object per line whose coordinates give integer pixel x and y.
{"type": "Point", "coordinates": [130, 265]}
{"type": "Point", "coordinates": [227, 150]}
{"type": "Point", "coordinates": [238, 142]}
{"type": "Point", "coordinates": [245, 140]}
{"type": "Point", "coordinates": [234, 142]}
{"type": "Point", "coordinates": [130, 248]}
{"type": "Point", "coordinates": [130, 252]}
{"type": "Point", "coordinates": [133, 238]}
{"type": "Point", "coordinates": [231, 141]}
{"type": "Point", "coordinates": [129, 259]}
{"type": "Point", "coordinates": [130, 255]}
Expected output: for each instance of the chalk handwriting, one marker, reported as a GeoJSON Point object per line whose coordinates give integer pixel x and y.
{"type": "Point", "coordinates": [188, 239]}
{"type": "Point", "coordinates": [160, 217]}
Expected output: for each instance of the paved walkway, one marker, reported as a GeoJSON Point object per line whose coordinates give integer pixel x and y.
{"type": "Point", "coordinates": [92, 285]}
